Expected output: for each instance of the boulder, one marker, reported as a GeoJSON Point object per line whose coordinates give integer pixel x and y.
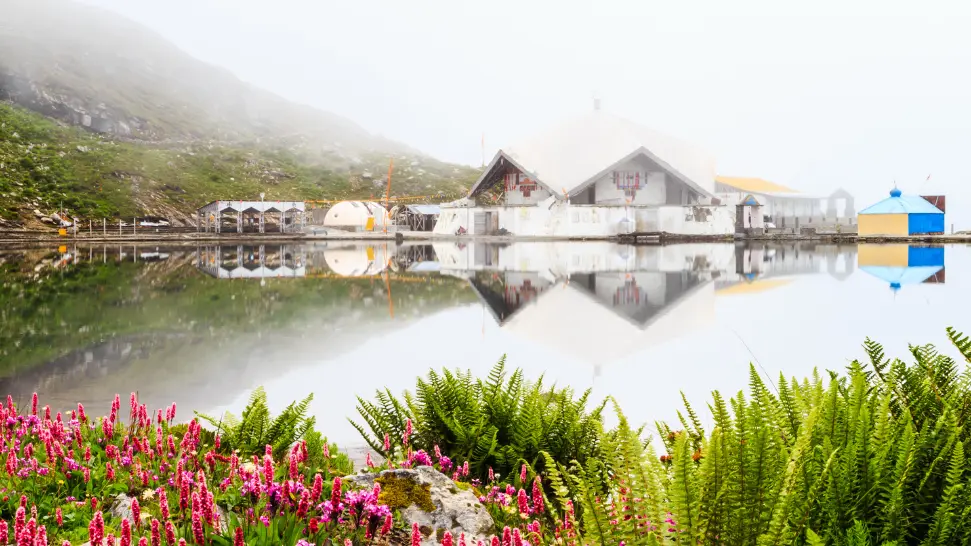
{"type": "Point", "coordinates": [432, 500]}
{"type": "Point", "coordinates": [121, 509]}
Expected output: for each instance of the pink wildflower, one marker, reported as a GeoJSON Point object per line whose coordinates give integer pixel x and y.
{"type": "Point", "coordinates": [387, 443]}
{"type": "Point", "coordinates": [447, 539]}
{"type": "Point", "coordinates": [169, 533]}
{"type": "Point", "coordinates": [197, 531]}
{"type": "Point", "coordinates": [386, 528]}
{"type": "Point", "coordinates": [522, 474]}
{"type": "Point", "coordinates": [33, 404]}
{"type": "Point", "coordinates": [156, 533]}
{"type": "Point", "coordinates": [142, 541]}
{"type": "Point", "coordinates": [58, 516]}
{"type": "Point", "coordinates": [415, 533]}
{"type": "Point", "coordinates": [506, 536]}
{"type": "Point", "coordinates": [163, 504]}
{"type": "Point", "coordinates": [317, 488]}
{"type": "Point", "coordinates": [125, 532]}
{"type": "Point", "coordinates": [238, 537]}
{"type": "Point", "coordinates": [136, 512]}
{"type": "Point", "coordinates": [538, 506]}
{"type": "Point", "coordinates": [523, 504]}
{"type": "Point", "coordinates": [404, 439]}
{"type": "Point", "coordinates": [517, 538]}
{"type": "Point", "coordinates": [96, 529]}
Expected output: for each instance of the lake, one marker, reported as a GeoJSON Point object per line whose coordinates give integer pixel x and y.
{"type": "Point", "coordinates": [203, 326]}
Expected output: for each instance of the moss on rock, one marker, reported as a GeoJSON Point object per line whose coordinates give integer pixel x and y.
{"type": "Point", "coordinates": [397, 493]}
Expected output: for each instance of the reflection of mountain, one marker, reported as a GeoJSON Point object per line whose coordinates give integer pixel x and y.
{"type": "Point", "coordinates": [107, 321]}
{"type": "Point", "coordinates": [899, 265]}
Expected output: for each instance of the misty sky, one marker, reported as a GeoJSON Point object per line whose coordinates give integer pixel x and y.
{"type": "Point", "coordinates": [836, 94]}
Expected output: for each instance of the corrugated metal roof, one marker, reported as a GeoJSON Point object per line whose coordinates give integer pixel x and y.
{"type": "Point", "coordinates": [425, 209]}
{"type": "Point", "coordinates": [902, 204]}
{"type": "Point", "coordinates": [754, 185]}
{"type": "Point", "coordinates": [569, 156]}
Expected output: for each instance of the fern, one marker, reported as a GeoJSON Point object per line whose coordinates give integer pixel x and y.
{"type": "Point", "coordinates": [255, 428]}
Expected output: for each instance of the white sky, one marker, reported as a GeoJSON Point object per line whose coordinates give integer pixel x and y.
{"type": "Point", "coordinates": [825, 95]}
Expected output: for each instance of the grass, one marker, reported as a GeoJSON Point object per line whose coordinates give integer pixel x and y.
{"type": "Point", "coordinates": [47, 166]}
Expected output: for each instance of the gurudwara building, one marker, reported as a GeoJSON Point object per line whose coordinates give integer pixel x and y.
{"type": "Point", "coordinates": [595, 176]}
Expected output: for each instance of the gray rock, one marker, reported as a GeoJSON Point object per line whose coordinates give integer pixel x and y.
{"type": "Point", "coordinates": [121, 509]}
{"type": "Point", "coordinates": [456, 510]}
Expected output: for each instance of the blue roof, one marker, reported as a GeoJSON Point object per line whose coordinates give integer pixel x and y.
{"type": "Point", "coordinates": [898, 276]}
{"type": "Point", "coordinates": [902, 204]}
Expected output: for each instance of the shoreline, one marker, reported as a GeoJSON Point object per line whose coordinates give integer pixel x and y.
{"type": "Point", "coordinates": [8, 238]}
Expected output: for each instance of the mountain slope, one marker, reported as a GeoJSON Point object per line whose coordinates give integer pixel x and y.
{"type": "Point", "coordinates": [70, 60]}
{"type": "Point", "coordinates": [163, 131]}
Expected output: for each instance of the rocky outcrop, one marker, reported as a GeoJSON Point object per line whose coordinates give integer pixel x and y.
{"type": "Point", "coordinates": [72, 108]}
{"type": "Point", "coordinates": [432, 500]}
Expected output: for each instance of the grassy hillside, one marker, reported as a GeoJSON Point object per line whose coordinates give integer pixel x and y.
{"type": "Point", "coordinates": [45, 165]}
{"type": "Point", "coordinates": [106, 118]}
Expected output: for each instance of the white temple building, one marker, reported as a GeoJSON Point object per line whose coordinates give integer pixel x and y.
{"type": "Point", "coordinates": [597, 176]}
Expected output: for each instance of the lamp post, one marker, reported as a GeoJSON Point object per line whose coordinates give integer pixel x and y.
{"type": "Point", "coordinates": [262, 209]}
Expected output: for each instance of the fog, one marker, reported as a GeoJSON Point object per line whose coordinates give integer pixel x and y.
{"type": "Point", "coordinates": [816, 97]}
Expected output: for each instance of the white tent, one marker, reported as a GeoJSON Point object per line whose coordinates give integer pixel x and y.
{"type": "Point", "coordinates": [356, 261]}
{"type": "Point", "coordinates": [354, 216]}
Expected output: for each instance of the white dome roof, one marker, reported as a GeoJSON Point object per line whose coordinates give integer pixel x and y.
{"type": "Point", "coordinates": [358, 261]}
{"type": "Point", "coordinates": [355, 214]}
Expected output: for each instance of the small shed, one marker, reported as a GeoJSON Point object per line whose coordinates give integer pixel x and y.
{"type": "Point", "coordinates": [418, 217]}
{"type": "Point", "coordinates": [357, 216]}
{"type": "Point", "coordinates": [901, 215]}
{"type": "Point", "coordinates": [748, 215]}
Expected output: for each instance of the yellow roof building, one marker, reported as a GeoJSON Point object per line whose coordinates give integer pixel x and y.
{"type": "Point", "coordinates": [753, 185]}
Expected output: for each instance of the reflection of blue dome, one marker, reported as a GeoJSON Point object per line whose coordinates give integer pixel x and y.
{"type": "Point", "coordinates": [895, 286]}
{"type": "Point", "coordinates": [895, 193]}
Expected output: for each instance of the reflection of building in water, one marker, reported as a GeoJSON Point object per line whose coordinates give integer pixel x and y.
{"type": "Point", "coordinates": [756, 262]}
{"type": "Point", "coordinates": [329, 259]}
{"type": "Point", "coordinates": [898, 265]}
{"type": "Point", "coordinates": [596, 302]}
{"type": "Point", "coordinates": [252, 261]}
{"type": "Point", "coordinates": [357, 261]}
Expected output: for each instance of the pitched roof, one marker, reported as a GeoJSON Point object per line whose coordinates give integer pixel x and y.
{"type": "Point", "coordinates": [567, 157]}
{"type": "Point", "coordinates": [902, 204]}
{"type": "Point", "coordinates": [754, 185]}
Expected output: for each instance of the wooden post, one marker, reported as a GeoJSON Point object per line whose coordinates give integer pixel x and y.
{"type": "Point", "coordinates": [387, 195]}
{"type": "Point", "coordinates": [104, 227]}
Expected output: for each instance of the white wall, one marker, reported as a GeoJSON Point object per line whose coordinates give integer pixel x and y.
{"type": "Point", "coordinates": [560, 219]}
{"type": "Point", "coordinates": [653, 190]}
{"type": "Point", "coordinates": [514, 196]}
{"type": "Point", "coordinates": [714, 220]}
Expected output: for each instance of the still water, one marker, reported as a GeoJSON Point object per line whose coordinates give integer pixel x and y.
{"type": "Point", "coordinates": [203, 326]}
